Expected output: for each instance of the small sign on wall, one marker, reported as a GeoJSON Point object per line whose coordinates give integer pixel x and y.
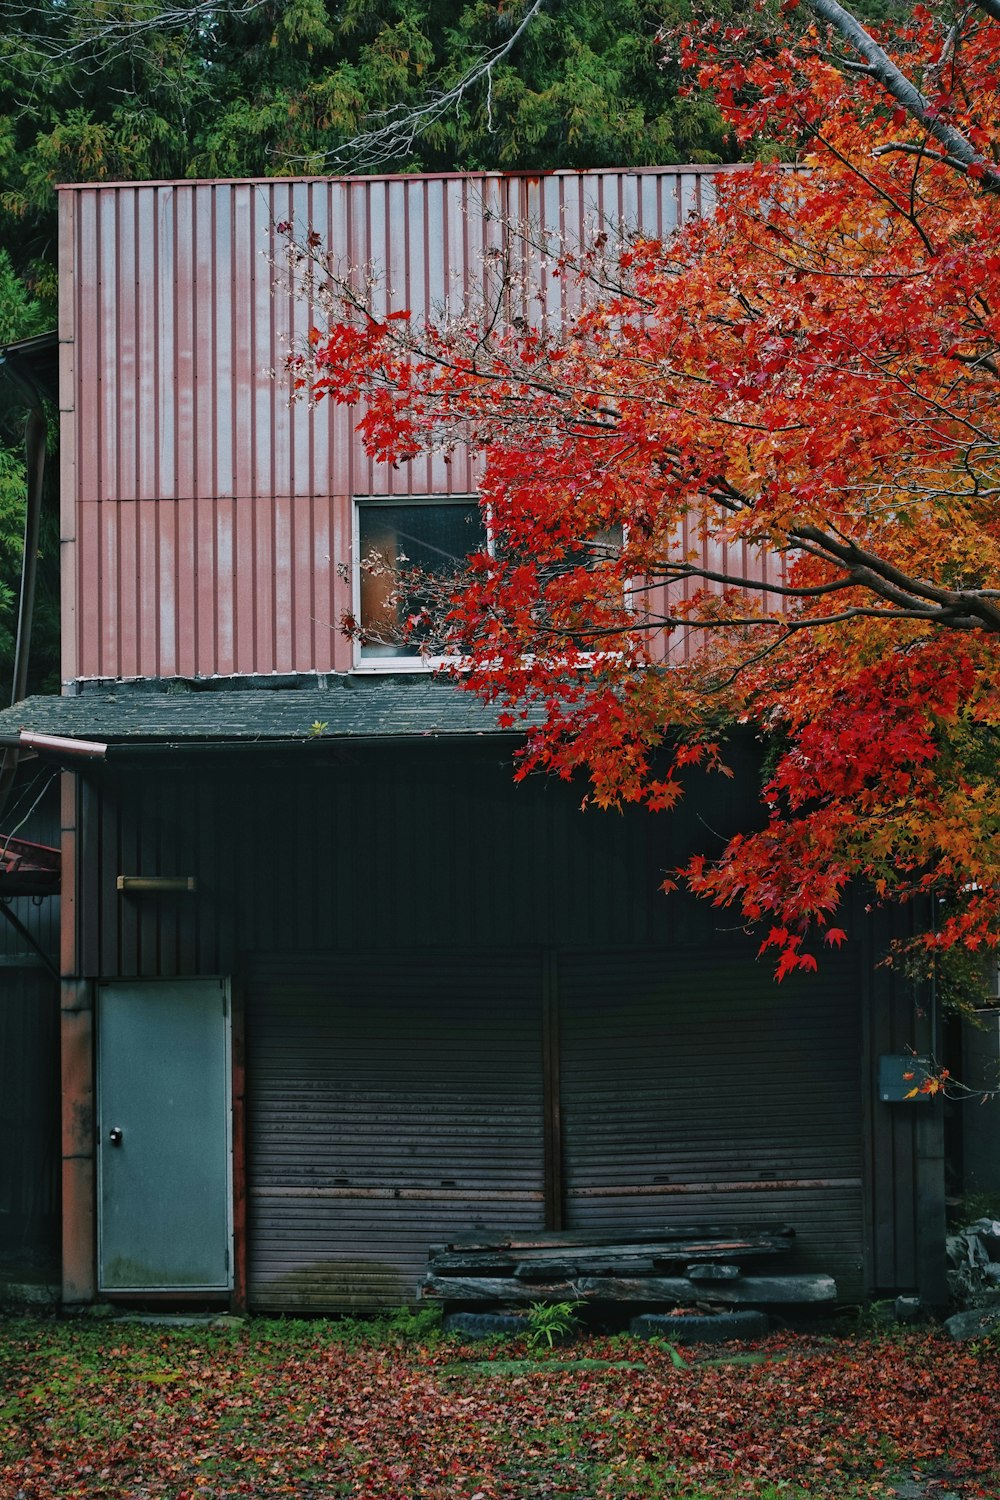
{"type": "Point", "coordinates": [899, 1074]}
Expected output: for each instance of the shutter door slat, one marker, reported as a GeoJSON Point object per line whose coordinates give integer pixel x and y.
{"type": "Point", "coordinates": [394, 1101]}
{"type": "Point", "coordinates": [689, 1077]}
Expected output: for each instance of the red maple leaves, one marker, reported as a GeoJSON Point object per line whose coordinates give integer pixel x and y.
{"type": "Point", "coordinates": [754, 478]}
{"type": "Point", "coordinates": [315, 1409]}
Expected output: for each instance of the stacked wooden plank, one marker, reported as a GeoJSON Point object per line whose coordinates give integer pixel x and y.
{"type": "Point", "coordinates": [688, 1266]}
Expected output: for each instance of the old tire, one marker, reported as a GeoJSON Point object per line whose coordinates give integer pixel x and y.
{"type": "Point", "coordinates": [485, 1325]}
{"type": "Point", "coordinates": [691, 1328]}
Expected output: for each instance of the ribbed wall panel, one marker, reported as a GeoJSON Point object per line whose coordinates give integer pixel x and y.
{"type": "Point", "coordinates": [683, 1062]}
{"type": "Point", "coordinates": [40, 915]}
{"type": "Point", "coordinates": [29, 1115]}
{"type": "Point", "coordinates": [742, 1101]}
{"type": "Point", "coordinates": [209, 521]}
{"type": "Point", "coordinates": [394, 1100]}
{"type": "Point", "coordinates": [182, 309]}
{"type": "Point", "coordinates": [373, 845]}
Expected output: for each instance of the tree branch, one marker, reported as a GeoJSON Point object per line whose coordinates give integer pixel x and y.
{"type": "Point", "coordinates": [404, 125]}
{"type": "Point", "coordinates": [912, 149]}
{"type": "Point", "coordinates": [903, 91]}
{"type": "Point", "coordinates": [957, 607]}
{"type": "Point", "coordinates": [108, 29]}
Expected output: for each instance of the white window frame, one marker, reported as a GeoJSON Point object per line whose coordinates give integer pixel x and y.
{"type": "Point", "coordinates": [401, 663]}
{"type": "Point", "coordinates": [418, 663]}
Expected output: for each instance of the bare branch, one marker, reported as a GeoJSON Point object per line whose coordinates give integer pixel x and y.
{"type": "Point", "coordinates": [669, 572]}
{"type": "Point", "coordinates": [404, 125]}
{"type": "Point", "coordinates": [104, 31]}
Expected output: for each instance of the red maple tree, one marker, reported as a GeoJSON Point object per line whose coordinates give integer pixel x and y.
{"type": "Point", "coordinates": [753, 477]}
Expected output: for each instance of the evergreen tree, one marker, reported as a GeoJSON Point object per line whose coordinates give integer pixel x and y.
{"type": "Point", "coordinates": [21, 317]}
{"type": "Point", "coordinates": [106, 90]}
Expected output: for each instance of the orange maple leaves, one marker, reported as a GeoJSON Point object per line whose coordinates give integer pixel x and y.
{"type": "Point", "coordinates": [788, 418]}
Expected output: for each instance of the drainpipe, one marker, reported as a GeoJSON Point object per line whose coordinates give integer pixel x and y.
{"type": "Point", "coordinates": [932, 1228]}
{"type": "Point", "coordinates": [64, 746]}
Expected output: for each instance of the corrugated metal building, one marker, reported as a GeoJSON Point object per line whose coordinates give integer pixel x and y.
{"type": "Point", "coordinates": [334, 989]}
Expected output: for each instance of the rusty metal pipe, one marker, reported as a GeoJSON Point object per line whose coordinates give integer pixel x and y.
{"type": "Point", "coordinates": [55, 744]}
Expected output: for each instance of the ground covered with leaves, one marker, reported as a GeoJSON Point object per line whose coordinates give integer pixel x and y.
{"type": "Point", "coordinates": [141, 1412]}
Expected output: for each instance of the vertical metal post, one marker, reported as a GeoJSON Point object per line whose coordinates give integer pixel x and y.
{"type": "Point", "coordinates": [79, 1223]}
{"type": "Point", "coordinates": [238, 1299]}
{"type": "Point", "coordinates": [79, 1218]}
{"type": "Point", "coordinates": [931, 1226]}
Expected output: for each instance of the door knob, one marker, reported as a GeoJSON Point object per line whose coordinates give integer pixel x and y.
{"type": "Point", "coordinates": [115, 1136]}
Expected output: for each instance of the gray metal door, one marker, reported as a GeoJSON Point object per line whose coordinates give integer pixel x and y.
{"type": "Point", "coordinates": [164, 1138]}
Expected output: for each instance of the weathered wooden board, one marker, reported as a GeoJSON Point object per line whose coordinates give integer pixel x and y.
{"type": "Point", "coordinates": [680, 1254]}
{"type": "Point", "coordinates": [713, 1271]}
{"type": "Point", "coordinates": [557, 1239]}
{"type": "Point", "coordinates": [557, 1270]}
{"type": "Point", "coordinates": [567, 1269]}
{"type": "Point", "coordinates": [748, 1291]}
{"type": "Point", "coordinates": [635, 1255]}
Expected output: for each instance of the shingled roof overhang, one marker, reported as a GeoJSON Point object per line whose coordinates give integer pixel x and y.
{"type": "Point", "coordinates": [205, 714]}
{"type": "Point", "coordinates": [33, 363]}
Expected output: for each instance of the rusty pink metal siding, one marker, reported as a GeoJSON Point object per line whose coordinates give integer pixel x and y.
{"type": "Point", "coordinates": [207, 523]}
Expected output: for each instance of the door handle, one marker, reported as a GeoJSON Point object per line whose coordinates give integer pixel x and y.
{"type": "Point", "coordinates": [115, 1136]}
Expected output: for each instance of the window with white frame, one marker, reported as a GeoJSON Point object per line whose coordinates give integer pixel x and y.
{"type": "Point", "coordinates": [406, 554]}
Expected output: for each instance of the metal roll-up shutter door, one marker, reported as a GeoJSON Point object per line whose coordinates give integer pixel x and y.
{"type": "Point", "coordinates": [697, 1090]}
{"type": "Point", "coordinates": [394, 1101]}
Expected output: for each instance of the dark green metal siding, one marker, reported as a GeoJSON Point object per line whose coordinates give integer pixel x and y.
{"type": "Point", "coordinates": [372, 847]}
{"type": "Point", "coordinates": [29, 1046]}
{"type": "Point", "coordinates": [29, 1118]}
{"type": "Point", "coordinates": [396, 916]}
{"type": "Point", "coordinates": [904, 1143]}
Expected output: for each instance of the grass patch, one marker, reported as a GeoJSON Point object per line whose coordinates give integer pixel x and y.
{"type": "Point", "coordinates": [738, 1360]}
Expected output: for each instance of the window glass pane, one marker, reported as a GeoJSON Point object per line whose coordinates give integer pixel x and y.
{"type": "Point", "coordinates": [403, 550]}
